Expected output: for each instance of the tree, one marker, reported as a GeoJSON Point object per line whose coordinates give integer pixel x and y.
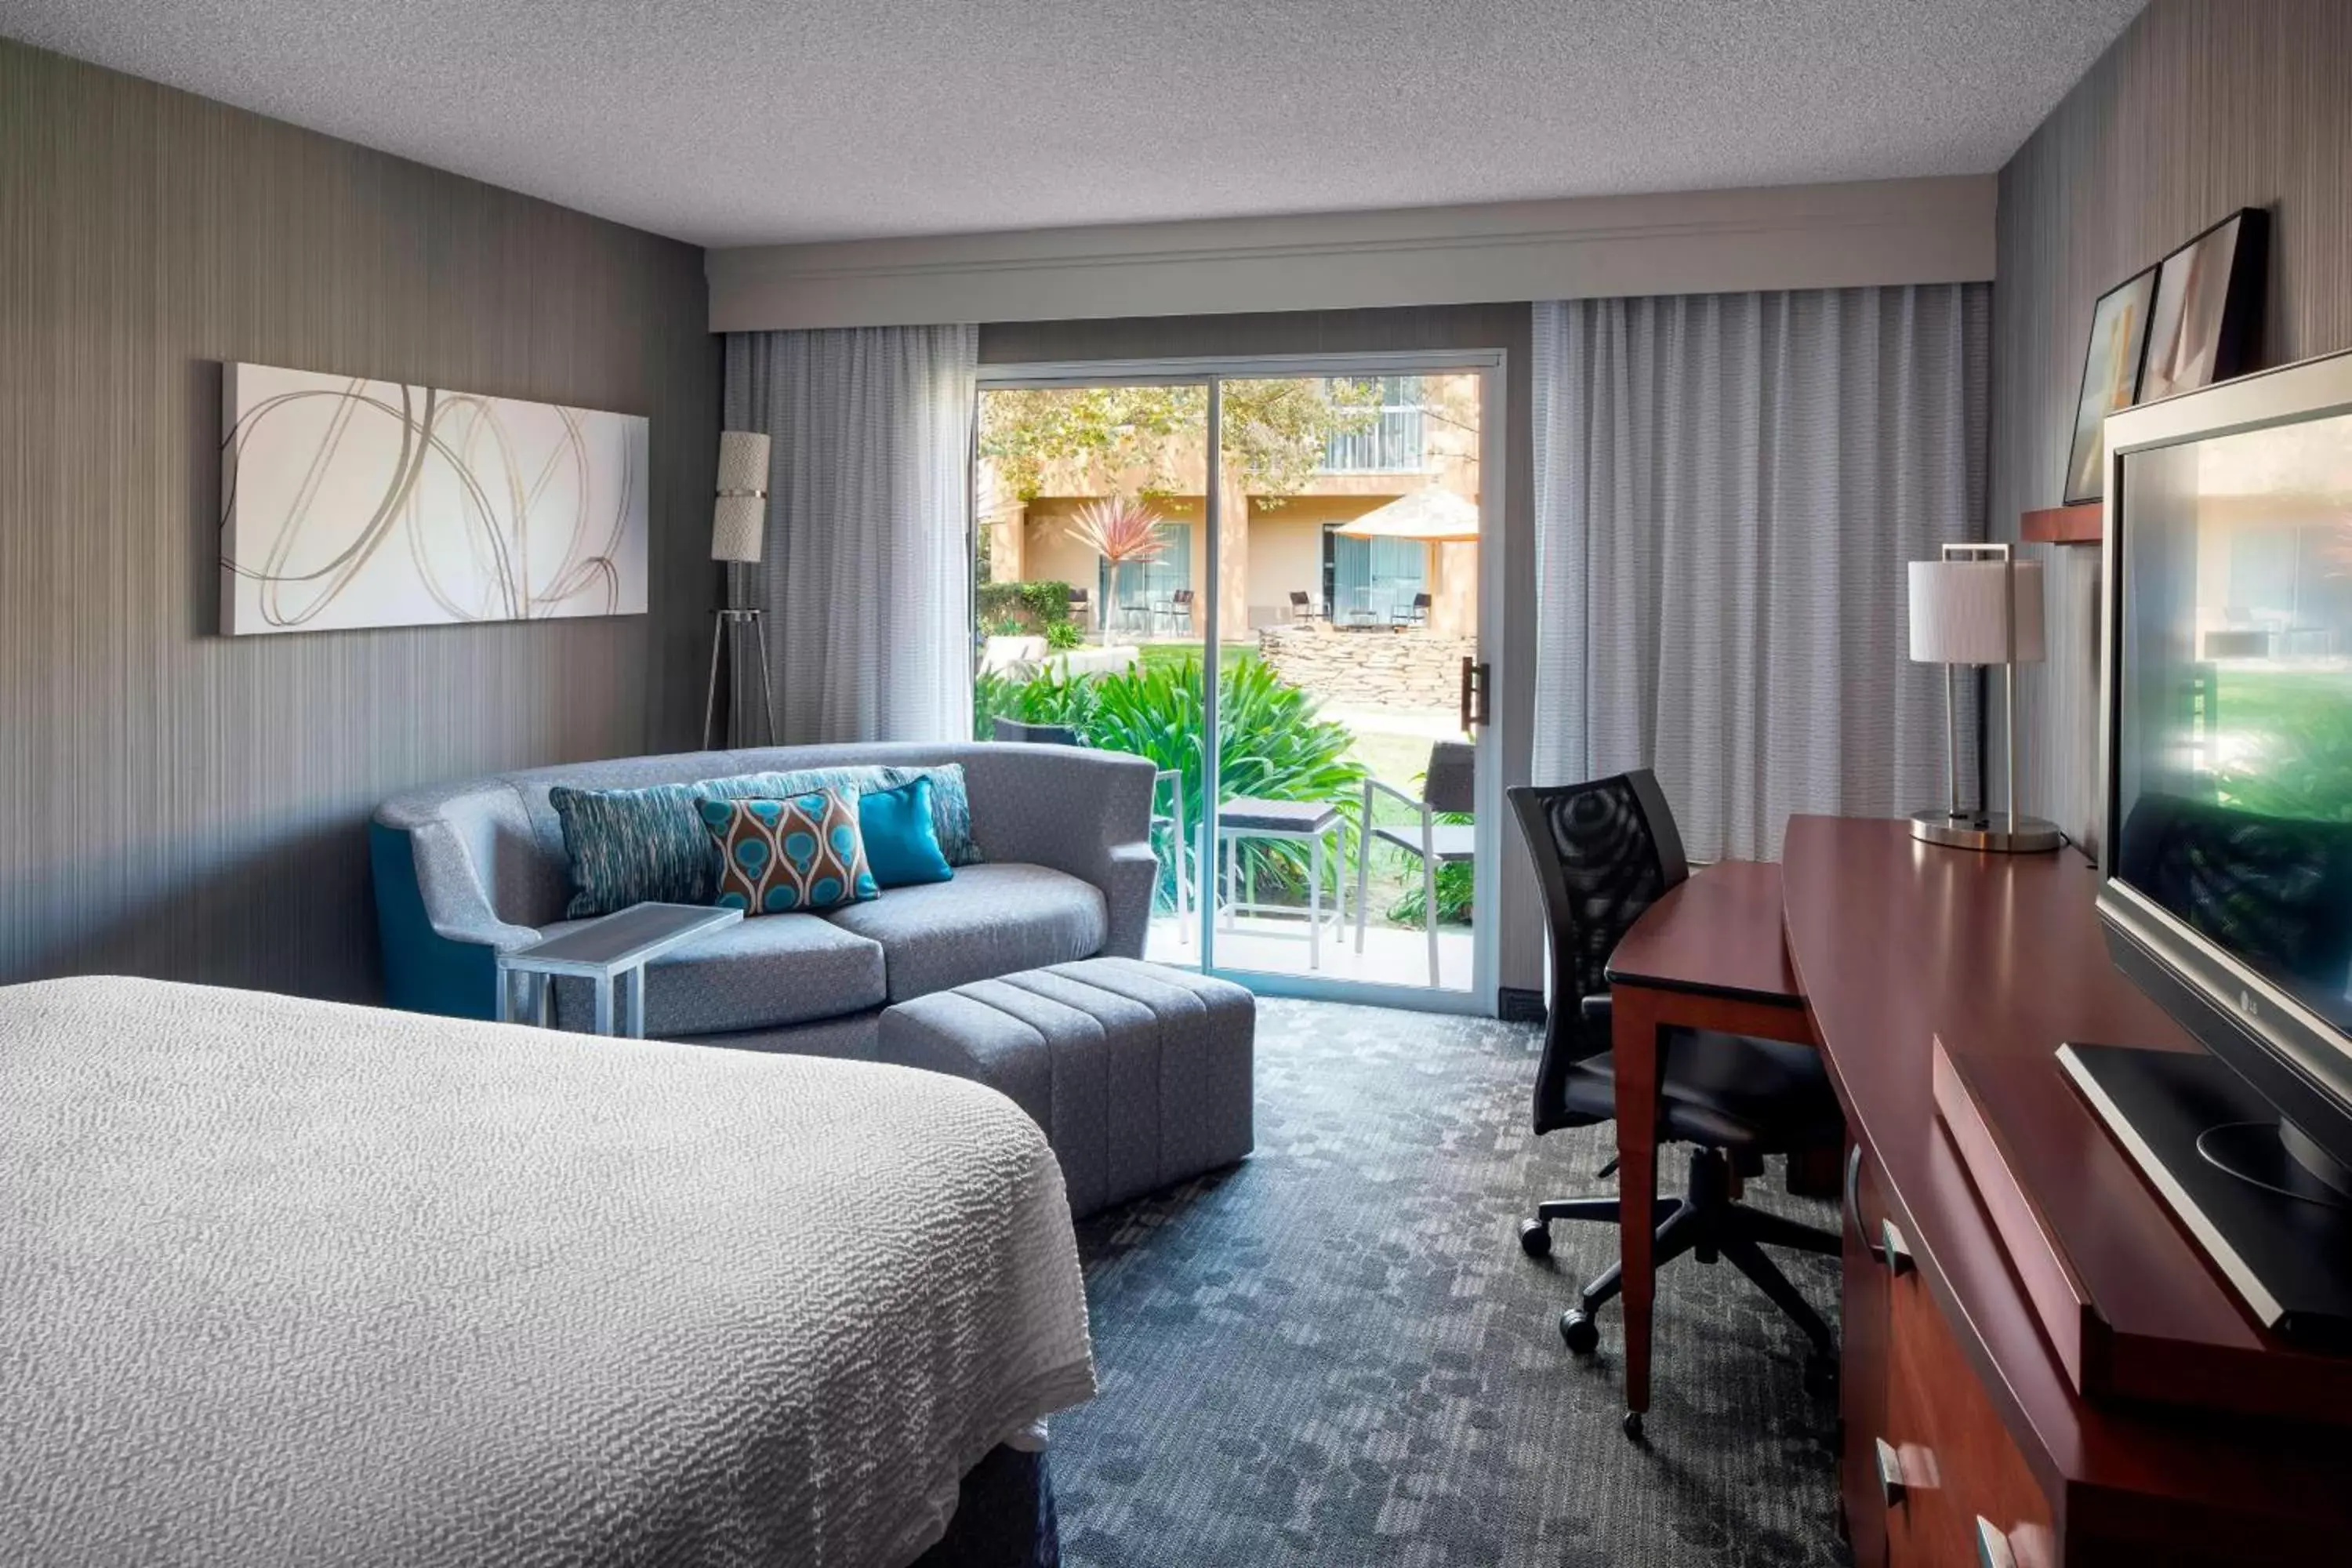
{"type": "Point", "coordinates": [1147, 439]}
{"type": "Point", "coordinates": [1119, 530]}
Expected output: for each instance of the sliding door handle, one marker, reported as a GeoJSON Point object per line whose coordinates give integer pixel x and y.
{"type": "Point", "coordinates": [1476, 698]}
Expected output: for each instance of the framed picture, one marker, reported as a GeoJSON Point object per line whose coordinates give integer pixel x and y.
{"type": "Point", "coordinates": [2111, 370]}
{"type": "Point", "coordinates": [350, 502]}
{"type": "Point", "coordinates": [2209, 297]}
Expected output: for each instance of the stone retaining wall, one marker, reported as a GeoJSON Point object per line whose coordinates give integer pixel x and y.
{"type": "Point", "coordinates": [1402, 670]}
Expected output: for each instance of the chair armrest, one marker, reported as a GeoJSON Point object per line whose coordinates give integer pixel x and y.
{"type": "Point", "coordinates": [1597, 1009]}
{"type": "Point", "coordinates": [1413, 801]}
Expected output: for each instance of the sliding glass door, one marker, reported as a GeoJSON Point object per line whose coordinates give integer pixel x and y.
{"type": "Point", "coordinates": [1291, 621]}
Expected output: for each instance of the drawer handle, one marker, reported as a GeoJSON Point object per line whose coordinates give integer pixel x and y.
{"type": "Point", "coordinates": [1992, 1546]}
{"type": "Point", "coordinates": [1891, 1250]}
{"type": "Point", "coordinates": [1895, 1251]}
{"type": "Point", "coordinates": [1891, 1486]}
{"type": "Point", "coordinates": [1853, 1204]}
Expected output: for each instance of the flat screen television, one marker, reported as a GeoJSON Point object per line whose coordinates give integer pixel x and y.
{"type": "Point", "coordinates": [2226, 850]}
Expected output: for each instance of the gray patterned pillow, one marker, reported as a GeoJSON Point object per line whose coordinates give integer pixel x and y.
{"type": "Point", "coordinates": [647, 845]}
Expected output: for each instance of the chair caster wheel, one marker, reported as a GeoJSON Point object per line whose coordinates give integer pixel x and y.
{"type": "Point", "coordinates": [1581, 1334]}
{"type": "Point", "coordinates": [1632, 1427]}
{"type": "Point", "coordinates": [1535, 1238]}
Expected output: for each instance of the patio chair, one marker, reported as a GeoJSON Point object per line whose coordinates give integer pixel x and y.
{"type": "Point", "coordinates": [1177, 606]}
{"type": "Point", "coordinates": [1081, 609]}
{"type": "Point", "coordinates": [1413, 614]}
{"type": "Point", "coordinates": [1450, 787]}
{"type": "Point", "coordinates": [1302, 606]}
{"type": "Point", "coordinates": [1035, 734]}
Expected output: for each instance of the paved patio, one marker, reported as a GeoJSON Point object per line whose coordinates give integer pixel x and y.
{"type": "Point", "coordinates": [1271, 945]}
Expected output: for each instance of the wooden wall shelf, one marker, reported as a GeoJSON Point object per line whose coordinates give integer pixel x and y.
{"type": "Point", "coordinates": [2085, 524]}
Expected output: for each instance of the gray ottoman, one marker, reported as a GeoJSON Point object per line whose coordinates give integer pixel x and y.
{"type": "Point", "coordinates": [1139, 1074]}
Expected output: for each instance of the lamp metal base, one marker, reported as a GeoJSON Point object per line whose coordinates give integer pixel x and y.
{"type": "Point", "coordinates": [1986, 831]}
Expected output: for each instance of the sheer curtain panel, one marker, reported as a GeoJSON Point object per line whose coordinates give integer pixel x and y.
{"type": "Point", "coordinates": [1728, 490]}
{"type": "Point", "coordinates": [866, 577]}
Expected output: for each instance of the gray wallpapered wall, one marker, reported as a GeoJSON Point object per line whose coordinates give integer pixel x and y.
{"type": "Point", "coordinates": [172, 802]}
{"type": "Point", "coordinates": [2202, 107]}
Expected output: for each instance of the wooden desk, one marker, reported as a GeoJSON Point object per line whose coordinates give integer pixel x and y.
{"type": "Point", "coordinates": [1944, 1357]}
{"type": "Point", "coordinates": [1708, 955]}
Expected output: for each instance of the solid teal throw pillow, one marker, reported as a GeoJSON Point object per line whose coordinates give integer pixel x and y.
{"type": "Point", "coordinates": [802, 856]}
{"type": "Point", "coordinates": [902, 845]}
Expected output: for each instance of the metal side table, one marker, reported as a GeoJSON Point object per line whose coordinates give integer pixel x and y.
{"type": "Point", "coordinates": [1311, 823]}
{"type": "Point", "coordinates": [611, 954]}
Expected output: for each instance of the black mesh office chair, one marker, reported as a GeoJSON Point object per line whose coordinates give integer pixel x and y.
{"type": "Point", "coordinates": [1604, 852]}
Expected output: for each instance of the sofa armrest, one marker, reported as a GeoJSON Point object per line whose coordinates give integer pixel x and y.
{"type": "Point", "coordinates": [439, 937]}
{"type": "Point", "coordinates": [1085, 812]}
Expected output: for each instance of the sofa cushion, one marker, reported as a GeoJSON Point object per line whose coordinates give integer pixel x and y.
{"type": "Point", "coordinates": [991, 919]}
{"type": "Point", "coordinates": [753, 974]}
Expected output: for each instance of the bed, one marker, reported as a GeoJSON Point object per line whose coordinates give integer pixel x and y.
{"type": "Point", "coordinates": [285, 1281]}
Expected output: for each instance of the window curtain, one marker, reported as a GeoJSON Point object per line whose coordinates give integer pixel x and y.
{"type": "Point", "coordinates": [865, 576]}
{"type": "Point", "coordinates": [1728, 490]}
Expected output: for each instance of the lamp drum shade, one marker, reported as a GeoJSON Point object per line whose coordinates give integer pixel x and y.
{"type": "Point", "coordinates": [1959, 616]}
{"type": "Point", "coordinates": [736, 524]}
{"type": "Point", "coordinates": [739, 517]}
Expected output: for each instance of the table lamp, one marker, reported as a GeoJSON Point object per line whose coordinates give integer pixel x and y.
{"type": "Point", "coordinates": [1978, 605]}
{"type": "Point", "coordinates": [739, 520]}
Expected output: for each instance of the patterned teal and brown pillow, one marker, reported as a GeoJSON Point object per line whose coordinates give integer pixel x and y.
{"type": "Point", "coordinates": [797, 856]}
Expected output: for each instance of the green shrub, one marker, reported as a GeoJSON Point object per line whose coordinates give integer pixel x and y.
{"type": "Point", "coordinates": [1063, 636]}
{"type": "Point", "coordinates": [1036, 605]}
{"type": "Point", "coordinates": [1456, 890]}
{"type": "Point", "coordinates": [1273, 744]}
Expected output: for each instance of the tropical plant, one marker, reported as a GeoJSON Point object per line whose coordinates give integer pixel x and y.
{"type": "Point", "coordinates": [1054, 697]}
{"type": "Point", "coordinates": [1457, 890]}
{"type": "Point", "coordinates": [1273, 744]}
{"type": "Point", "coordinates": [1063, 635]}
{"type": "Point", "coordinates": [1120, 530]}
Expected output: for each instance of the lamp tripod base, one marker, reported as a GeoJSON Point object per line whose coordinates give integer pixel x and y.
{"type": "Point", "coordinates": [1988, 831]}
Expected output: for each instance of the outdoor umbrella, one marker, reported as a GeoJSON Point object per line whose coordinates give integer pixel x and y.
{"type": "Point", "coordinates": [1435, 516]}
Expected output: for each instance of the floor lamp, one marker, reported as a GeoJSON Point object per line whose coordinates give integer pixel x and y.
{"type": "Point", "coordinates": [738, 524]}
{"type": "Point", "coordinates": [1978, 605]}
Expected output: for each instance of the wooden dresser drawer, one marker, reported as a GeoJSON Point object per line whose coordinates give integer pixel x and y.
{"type": "Point", "coordinates": [1966, 1498]}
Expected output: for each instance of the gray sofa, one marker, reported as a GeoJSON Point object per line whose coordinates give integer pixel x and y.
{"type": "Point", "coordinates": [463, 870]}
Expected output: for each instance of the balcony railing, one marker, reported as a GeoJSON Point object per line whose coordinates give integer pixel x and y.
{"type": "Point", "coordinates": [1396, 441]}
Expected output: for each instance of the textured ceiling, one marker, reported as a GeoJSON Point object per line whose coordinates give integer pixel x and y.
{"type": "Point", "coordinates": [744, 122]}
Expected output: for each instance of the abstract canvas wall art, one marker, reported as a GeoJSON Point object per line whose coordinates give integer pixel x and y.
{"type": "Point", "coordinates": [2111, 369]}
{"type": "Point", "coordinates": [349, 502]}
{"type": "Point", "coordinates": [2207, 306]}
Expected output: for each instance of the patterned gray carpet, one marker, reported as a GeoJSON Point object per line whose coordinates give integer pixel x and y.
{"type": "Point", "coordinates": [1337, 1354]}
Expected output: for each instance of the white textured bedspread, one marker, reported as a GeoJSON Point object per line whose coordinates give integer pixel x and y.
{"type": "Point", "coordinates": [289, 1282]}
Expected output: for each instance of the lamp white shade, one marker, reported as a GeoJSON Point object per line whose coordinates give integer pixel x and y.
{"type": "Point", "coordinates": [1962, 612]}
{"type": "Point", "coordinates": [743, 461]}
{"type": "Point", "coordinates": [739, 517]}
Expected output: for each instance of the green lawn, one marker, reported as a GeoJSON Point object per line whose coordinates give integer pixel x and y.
{"type": "Point", "coordinates": [1231, 656]}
